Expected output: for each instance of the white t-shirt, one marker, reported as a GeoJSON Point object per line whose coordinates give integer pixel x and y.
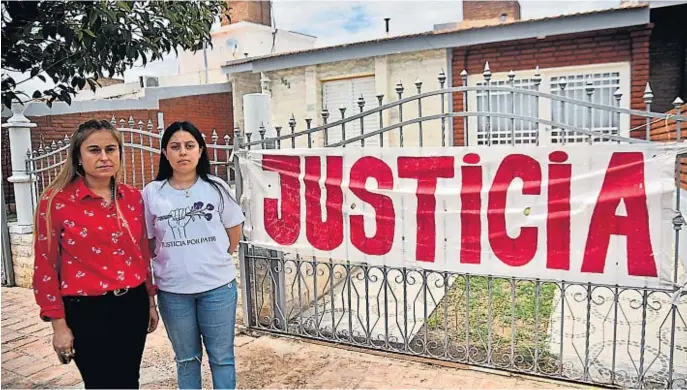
{"type": "Point", "coordinates": [191, 242]}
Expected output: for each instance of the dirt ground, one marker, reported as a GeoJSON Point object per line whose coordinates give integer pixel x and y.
{"type": "Point", "coordinates": [262, 361]}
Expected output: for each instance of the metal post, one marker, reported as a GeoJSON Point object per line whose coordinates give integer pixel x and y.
{"type": "Point", "coordinates": [399, 92]}
{"type": "Point", "coordinates": [589, 89]}
{"type": "Point", "coordinates": [205, 61]}
{"type": "Point", "coordinates": [278, 267]}
{"type": "Point", "coordinates": [536, 80]}
{"type": "Point", "coordinates": [562, 133]}
{"type": "Point", "coordinates": [418, 85]}
{"type": "Point", "coordinates": [243, 247]}
{"type": "Point", "coordinates": [511, 84]}
{"type": "Point", "coordinates": [677, 103]}
{"type": "Point", "coordinates": [648, 99]}
{"type": "Point", "coordinates": [487, 77]}
{"type": "Point", "coordinates": [442, 80]}
{"type": "Point", "coordinates": [466, 138]}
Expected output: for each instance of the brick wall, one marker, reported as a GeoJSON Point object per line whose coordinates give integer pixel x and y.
{"type": "Point", "coordinates": [481, 10]}
{"type": "Point", "coordinates": [558, 51]}
{"type": "Point", "coordinates": [668, 56]}
{"type": "Point", "coordinates": [207, 112]}
{"type": "Point", "coordinates": [666, 131]}
{"type": "Point", "coordinates": [249, 11]}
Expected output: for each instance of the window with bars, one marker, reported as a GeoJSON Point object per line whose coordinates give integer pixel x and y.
{"type": "Point", "coordinates": [599, 121]}
{"type": "Point", "coordinates": [499, 129]}
{"type": "Point", "coordinates": [345, 93]}
{"type": "Point", "coordinates": [605, 78]}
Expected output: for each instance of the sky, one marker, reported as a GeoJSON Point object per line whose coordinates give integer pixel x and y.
{"type": "Point", "coordinates": [337, 22]}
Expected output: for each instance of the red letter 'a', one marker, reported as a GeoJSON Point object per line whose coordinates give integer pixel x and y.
{"type": "Point", "coordinates": [328, 234]}
{"type": "Point", "coordinates": [558, 213]}
{"type": "Point", "coordinates": [470, 210]}
{"type": "Point", "coordinates": [381, 242]}
{"type": "Point", "coordinates": [624, 180]}
{"type": "Point", "coordinates": [520, 250]}
{"type": "Point", "coordinates": [284, 230]}
{"type": "Point", "coordinates": [426, 170]}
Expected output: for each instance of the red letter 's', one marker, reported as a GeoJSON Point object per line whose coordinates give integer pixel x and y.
{"type": "Point", "coordinates": [328, 234]}
{"type": "Point", "coordinates": [381, 242]}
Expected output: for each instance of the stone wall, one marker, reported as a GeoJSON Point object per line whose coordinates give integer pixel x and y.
{"type": "Point", "coordinates": [21, 239]}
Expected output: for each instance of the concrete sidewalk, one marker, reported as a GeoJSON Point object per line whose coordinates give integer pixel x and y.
{"type": "Point", "coordinates": [28, 361]}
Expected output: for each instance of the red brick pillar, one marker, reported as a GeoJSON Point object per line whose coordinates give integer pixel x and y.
{"type": "Point", "coordinates": [639, 76]}
{"type": "Point", "coordinates": [459, 63]}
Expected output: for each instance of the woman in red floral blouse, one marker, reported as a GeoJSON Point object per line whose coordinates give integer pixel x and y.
{"type": "Point", "coordinates": [92, 265]}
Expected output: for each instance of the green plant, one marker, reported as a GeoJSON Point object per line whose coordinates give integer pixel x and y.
{"type": "Point", "coordinates": [74, 43]}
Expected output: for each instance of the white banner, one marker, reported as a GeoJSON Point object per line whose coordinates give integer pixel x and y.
{"type": "Point", "coordinates": [580, 213]}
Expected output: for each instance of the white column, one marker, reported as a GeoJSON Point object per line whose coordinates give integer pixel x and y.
{"type": "Point", "coordinates": [256, 113]}
{"type": "Point", "coordinates": [19, 127]}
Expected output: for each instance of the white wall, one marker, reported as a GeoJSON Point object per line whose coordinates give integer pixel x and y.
{"type": "Point", "coordinates": [408, 68]}
{"type": "Point", "coordinates": [298, 91]}
{"type": "Point", "coordinates": [254, 39]}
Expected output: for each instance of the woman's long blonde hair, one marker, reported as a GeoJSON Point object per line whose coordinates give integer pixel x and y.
{"type": "Point", "coordinates": [72, 169]}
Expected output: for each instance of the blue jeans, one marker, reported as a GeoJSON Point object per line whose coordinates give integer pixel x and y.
{"type": "Point", "coordinates": [212, 315]}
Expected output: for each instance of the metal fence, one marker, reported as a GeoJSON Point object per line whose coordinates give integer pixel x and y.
{"type": "Point", "coordinates": [600, 334]}
{"type": "Point", "coordinates": [141, 154]}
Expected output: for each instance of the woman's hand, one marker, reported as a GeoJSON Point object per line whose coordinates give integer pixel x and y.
{"type": "Point", "coordinates": [62, 338]}
{"type": "Point", "coordinates": [154, 319]}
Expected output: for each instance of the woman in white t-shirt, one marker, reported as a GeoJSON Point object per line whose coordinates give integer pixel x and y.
{"type": "Point", "coordinates": [194, 225]}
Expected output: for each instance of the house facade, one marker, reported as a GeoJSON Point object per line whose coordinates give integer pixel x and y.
{"type": "Point", "coordinates": [620, 49]}
{"type": "Point", "coordinates": [305, 91]}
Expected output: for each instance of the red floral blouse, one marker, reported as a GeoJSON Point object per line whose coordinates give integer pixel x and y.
{"type": "Point", "coordinates": [97, 252]}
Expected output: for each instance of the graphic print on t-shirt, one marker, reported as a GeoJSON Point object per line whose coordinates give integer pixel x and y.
{"type": "Point", "coordinates": [178, 219]}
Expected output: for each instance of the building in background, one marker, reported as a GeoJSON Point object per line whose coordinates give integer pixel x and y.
{"type": "Point", "coordinates": [620, 48]}
{"type": "Point", "coordinates": [250, 33]}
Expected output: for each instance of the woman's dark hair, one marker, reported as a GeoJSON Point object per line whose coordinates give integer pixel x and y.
{"type": "Point", "coordinates": [165, 172]}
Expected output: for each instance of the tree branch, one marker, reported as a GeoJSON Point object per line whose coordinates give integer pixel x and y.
{"type": "Point", "coordinates": [48, 68]}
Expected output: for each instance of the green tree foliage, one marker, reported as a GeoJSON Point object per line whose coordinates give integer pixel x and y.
{"type": "Point", "coordinates": [74, 43]}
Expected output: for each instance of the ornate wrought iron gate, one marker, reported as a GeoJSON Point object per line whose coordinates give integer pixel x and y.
{"type": "Point", "coordinates": [141, 155]}
{"type": "Point", "coordinates": [601, 334]}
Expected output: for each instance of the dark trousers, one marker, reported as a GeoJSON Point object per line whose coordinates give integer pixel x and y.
{"type": "Point", "coordinates": [109, 337]}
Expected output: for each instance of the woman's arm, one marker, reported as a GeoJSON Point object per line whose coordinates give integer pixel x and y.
{"type": "Point", "coordinates": [148, 244]}
{"type": "Point", "coordinates": [151, 247]}
{"type": "Point", "coordinates": [46, 280]}
{"type": "Point", "coordinates": [234, 234]}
